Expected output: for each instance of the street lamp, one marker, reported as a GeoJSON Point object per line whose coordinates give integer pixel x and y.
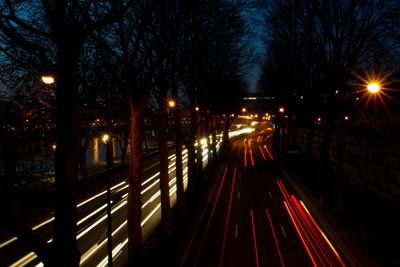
{"type": "Point", "coordinates": [243, 109]}
{"type": "Point", "coordinates": [105, 138]}
{"type": "Point", "coordinates": [373, 87]}
{"type": "Point", "coordinates": [171, 103]}
{"type": "Point", "coordinates": [47, 79]}
{"type": "Point", "coordinates": [106, 141]}
{"type": "Point", "coordinates": [281, 110]}
{"type": "Point", "coordinates": [197, 108]}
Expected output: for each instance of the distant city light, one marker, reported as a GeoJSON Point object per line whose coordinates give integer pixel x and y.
{"type": "Point", "coordinates": [243, 109]}
{"type": "Point", "coordinates": [197, 108]}
{"type": "Point", "coordinates": [281, 110]}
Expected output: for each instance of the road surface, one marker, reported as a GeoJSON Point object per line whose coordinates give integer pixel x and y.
{"type": "Point", "coordinates": [256, 218]}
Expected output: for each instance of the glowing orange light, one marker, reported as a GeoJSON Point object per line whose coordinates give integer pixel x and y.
{"type": "Point", "coordinates": [373, 87]}
{"type": "Point", "coordinates": [243, 109]}
{"type": "Point", "coordinates": [319, 119]}
{"type": "Point", "coordinates": [48, 79]}
{"type": "Point", "coordinates": [171, 103]}
{"type": "Point", "coordinates": [281, 110]}
{"type": "Point", "coordinates": [197, 108]}
{"type": "Point", "coordinates": [346, 118]}
{"type": "Point", "coordinates": [105, 138]}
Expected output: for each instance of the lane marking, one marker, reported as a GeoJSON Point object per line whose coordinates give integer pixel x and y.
{"type": "Point", "coordinates": [254, 237]}
{"type": "Point", "coordinates": [238, 195]}
{"type": "Point", "coordinates": [283, 231]}
{"type": "Point", "coordinates": [270, 195]}
{"type": "Point", "coordinates": [221, 257]}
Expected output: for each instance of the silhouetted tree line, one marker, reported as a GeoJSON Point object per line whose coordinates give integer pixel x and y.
{"type": "Point", "coordinates": [122, 54]}
{"type": "Point", "coordinates": [320, 56]}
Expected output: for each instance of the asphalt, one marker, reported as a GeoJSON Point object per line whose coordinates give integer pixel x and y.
{"type": "Point", "coordinates": [239, 218]}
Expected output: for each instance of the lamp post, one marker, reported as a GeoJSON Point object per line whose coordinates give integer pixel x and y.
{"type": "Point", "coordinates": [106, 141]}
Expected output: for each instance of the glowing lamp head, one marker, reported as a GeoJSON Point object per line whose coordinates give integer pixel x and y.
{"type": "Point", "coordinates": [346, 118]}
{"type": "Point", "coordinates": [47, 79]}
{"type": "Point", "coordinates": [197, 108]}
{"type": "Point", "coordinates": [373, 87]}
{"type": "Point", "coordinates": [243, 109]}
{"type": "Point", "coordinates": [281, 110]}
{"type": "Point", "coordinates": [105, 138]}
{"type": "Point", "coordinates": [171, 103]}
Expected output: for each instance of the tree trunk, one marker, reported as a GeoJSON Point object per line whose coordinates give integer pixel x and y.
{"type": "Point", "coordinates": [277, 136]}
{"type": "Point", "coordinates": [214, 138]}
{"type": "Point", "coordinates": [82, 159]}
{"type": "Point", "coordinates": [340, 154]}
{"type": "Point", "coordinates": [68, 142]}
{"type": "Point", "coordinates": [135, 178]}
{"type": "Point", "coordinates": [124, 147]}
{"type": "Point", "coordinates": [192, 180]}
{"type": "Point", "coordinates": [199, 154]}
{"type": "Point", "coordinates": [226, 132]}
{"type": "Point", "coordinates": [209, 145]}
{"type": "Point", "coordinates": [180, 194]}
{"type": "Point", "coordinates": [164, 176]}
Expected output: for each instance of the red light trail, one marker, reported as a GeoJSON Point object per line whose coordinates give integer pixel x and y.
{"type": "Point", "coordinates": [209, 220]}
{"type": "Point", "coordinates": [254, 237]}
{"type": "Point", "coordinates": [319, 248]}
{"type": "Point", "coordinates": [221, 258]}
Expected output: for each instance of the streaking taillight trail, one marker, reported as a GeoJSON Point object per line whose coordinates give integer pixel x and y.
{"type": "Point", "coordinates": [316, 243]}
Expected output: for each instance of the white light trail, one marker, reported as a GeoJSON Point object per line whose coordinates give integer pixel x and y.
{"type": "Point", "coordinates": [31, 256]}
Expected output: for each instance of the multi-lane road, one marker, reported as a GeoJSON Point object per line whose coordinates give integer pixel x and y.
{"type": "Point", "coordinates": [92, 218]}
{"type": "Point", "coordinates": [256, 218]}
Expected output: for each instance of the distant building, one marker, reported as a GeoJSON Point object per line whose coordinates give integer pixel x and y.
{"type": "Point", "coordinates": [258, 104]}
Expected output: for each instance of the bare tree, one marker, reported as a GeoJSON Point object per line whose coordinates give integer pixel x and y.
{"type": "Point", "coordinates": [34, 27]}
